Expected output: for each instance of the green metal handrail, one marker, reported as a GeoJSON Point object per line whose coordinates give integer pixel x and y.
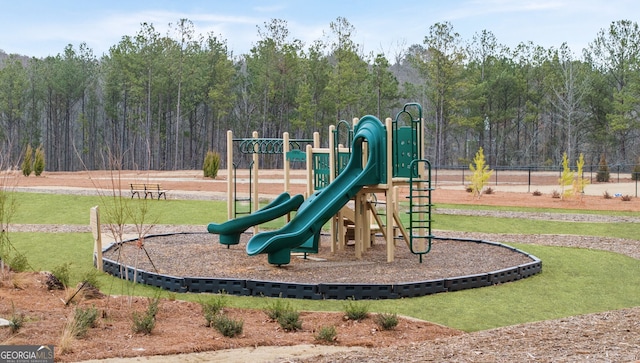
{"type": "Point", "coordinates": [269, 145]}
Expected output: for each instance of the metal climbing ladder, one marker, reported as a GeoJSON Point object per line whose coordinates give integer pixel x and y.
{"type": "Point", "coordinates": [420, 205]}
{"type": "Point", "coordinates": [239, 201]}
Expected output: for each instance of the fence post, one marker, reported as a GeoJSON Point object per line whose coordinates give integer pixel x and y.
{"type": "Point", "coordinates": [529, 186]}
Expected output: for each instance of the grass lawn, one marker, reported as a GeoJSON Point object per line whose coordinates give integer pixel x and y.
{"type": "Point", "coordinates": [574, 281]}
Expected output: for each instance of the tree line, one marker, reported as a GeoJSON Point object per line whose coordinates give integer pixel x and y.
{"type": "Point", "coordinates": [162, 101]}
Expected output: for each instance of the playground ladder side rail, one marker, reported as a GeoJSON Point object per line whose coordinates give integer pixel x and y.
{"type": "Point", "coordinates": [420, 222]}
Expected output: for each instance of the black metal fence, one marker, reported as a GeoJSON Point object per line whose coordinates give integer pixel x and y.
{"type": "Point", "coordinates": [533, 175]}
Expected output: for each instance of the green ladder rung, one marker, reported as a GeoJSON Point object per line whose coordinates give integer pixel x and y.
{"type": "Point", "coordinates": [417, 211]}
{"type": "Point", "coordinates": [421, 205]}
{"type": "Point", "coordinates": [413, 219]}
{"type": "Point", "coordinates": [422, 219]}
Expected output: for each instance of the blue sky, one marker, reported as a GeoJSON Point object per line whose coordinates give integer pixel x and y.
{"type": "Point", "coordinates": [44, 27]}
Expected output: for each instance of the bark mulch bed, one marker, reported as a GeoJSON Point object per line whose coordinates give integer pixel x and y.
{"type": "Point", "coordinates": [200, 255]}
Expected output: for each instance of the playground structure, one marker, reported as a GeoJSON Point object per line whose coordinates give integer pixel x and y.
{"type": "Point", "coordinates": [379, 159]}
{"type": "Point", "coordinates": [345, 186]}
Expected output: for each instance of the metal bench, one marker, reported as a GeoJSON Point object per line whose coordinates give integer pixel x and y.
{"type": "Point", "coordinates": [148, 190]}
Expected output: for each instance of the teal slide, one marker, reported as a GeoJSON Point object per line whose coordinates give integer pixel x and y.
{"type": "Point", "coordinates": [231, 230]}
{"type": "Point", "coordinates": [319, 208]}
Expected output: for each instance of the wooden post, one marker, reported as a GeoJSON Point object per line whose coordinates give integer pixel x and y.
{"type": "Point", "coordinates": [286, 164]}
{"type": "Point", "coordinates": [336, 227]}
{"type": "Point", "coordinates": [94, 221]}
{"type": "Point", "coordinates": [256, 168]}
{"type": "Point", "coordinates": [231, 202]}
{"type": "Point", "coordinates": [309, 156]}
{"type": "Point", "coordinates": [390, 193]}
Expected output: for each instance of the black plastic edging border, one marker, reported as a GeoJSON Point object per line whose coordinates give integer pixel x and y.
{"type": "Point", "coordinates": [333, 291]}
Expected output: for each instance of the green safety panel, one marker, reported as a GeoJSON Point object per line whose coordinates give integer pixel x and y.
{"type": "Point", "coordinates": [296, 155]}
{"type": "Point", "coordinates": [341, 161]}
{"type": "Point", "coordinates": [321, 170]}
{"type": "Point", "coordinates": [405, 151]}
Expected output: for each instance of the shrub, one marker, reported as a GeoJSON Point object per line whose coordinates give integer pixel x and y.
{"type": "Point", "coordinates": [537, 193]}
{"type": "Point", "coordinates": [387, 321]}
{"type": "Point", "coordinates": [19, 262]}
{"type": "Point", "coordinates": [480, 173]}
{"type": "Point", "coordinates": [356, 310]}
{"type": "Point", "coordinates": [489, 190]}
{"type": "Point", "coordinates": [555, 194]}
{"type": "Point", "coordinates": [39, 162]}
{"type": "Point", "coordinates": [61, 273]}
{"type": "Point", "coordinates": [277, 308]}
{"type": "Point", "coordinates": [77, 327]}
{"type": "Point", "coordinates": [290, 320]}
{"type": "Point", "coordinates": [27, 162]}
{"type": "Point", "coordinates": [580, 182]}
{"type": "Point", "coordinates": [227, 327]}
{"type": "Point", "coordinates": [326, 334]}
{"type": "Point", "coordinates": [90, 277]}
{"type": "Point", "coordinates": [606, 195]}
{"type": "Point", "coordinates": [603, 170]}
{"type": "Point", "coordinates": [212, 307]}
{"type": "Point", "coordinates": [211, 164]}
{"type": "Point", "coordinates": [83, 320]}
{"type": "Point", "coordinates": [145, 322]}
{"type": "Point", "coordinates": [626, 198]}
{"type": "Point", "coordinates": [566, 179]}
{"type": "Point", "coordinates": [17, 320]}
